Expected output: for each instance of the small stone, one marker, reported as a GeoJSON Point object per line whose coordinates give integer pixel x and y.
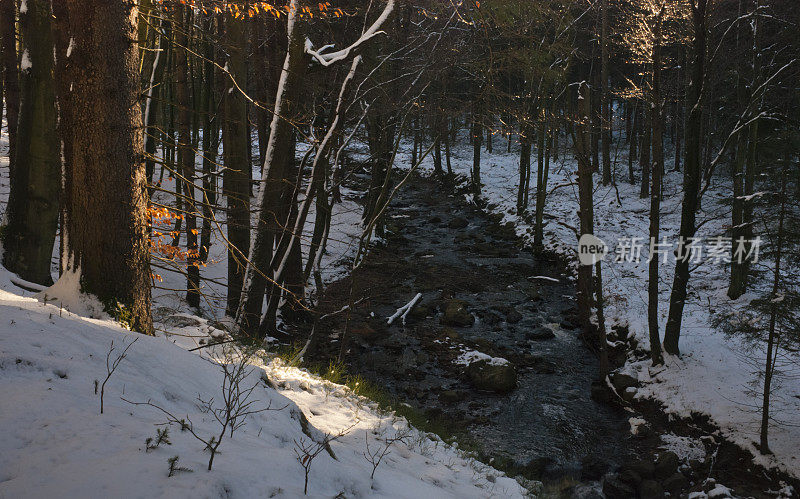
{"type": "Point", "coordinates": [456, 314]}
{"type": "Point", "coordinates": [513, 316]}
{"type": "Point", "coordinates": [631, 478]}
{"type": "Point", "coordinates": [650, 489]}
{"type": "Point", "coordinates": [614, 488]}
{"type": "Point", "coordinates": [536, 467]}
{"type": "Point", "coordinates": [363, 330]}
{"type": "Point", "coordinates": [540, 334]}
{"type": "Point", "coordinates": [499, 378]}
{"type": "Point", "coordinates": [600, 393]}
{"type": "Point", "coordinates": [593, 468]}
{"type": "Point", "coordinates": [643, 468]}
{"type": "Point", "coordinates": [452, 396]}
{"type": "Point", "coordinates": [675, 484]}
{"type": "Point", "coordinates": [420, 311]}
{"type": "Point", "coordinates": [666, 465]}
{"type": "Point", "coordinates": [629, 394]}
{"type": "Point", "coordinates": [531, 290]}
{"type": "Point", "coordinates": [623, 381]}
{"type": "Point", "coordinates": [458, 223]}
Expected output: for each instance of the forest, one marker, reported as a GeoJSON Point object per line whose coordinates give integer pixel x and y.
{"type": "Point", "coordinates": [400, 248]}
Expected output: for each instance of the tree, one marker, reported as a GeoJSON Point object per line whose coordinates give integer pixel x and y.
{"type": "Point", "coordinates": [274, 174]}
{"type": "Point", "coordinates": [605, 101]}
{"type": "Point", "coordinates": [582, 141]}
{"type": "Point", "coordinates": [186, 154]}
{"type": "Point", "coordinates": [8, 48]}
{"type": "Point", "coordinates": [107, 219]}
{"type": "Point", "coordinates": [691, 178]}
{"type": "Point", "coordinates": [657, 125]}
{"type": "Point", "coordinates": [35, 183]}
{"type": "Point", "coordinates": [237, 175]}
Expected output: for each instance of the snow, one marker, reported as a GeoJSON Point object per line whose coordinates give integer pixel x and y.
{"type": "Point", "coordinates": [404, 310]}
{"type": "Point", "coordinates": [56, 443]}
{"type": "Point", "coordinates": [685, 447]}
{"type": "Point", "coordinates": [25, 61]}
{"type": "Point", "coordinates": [471, 356]}
{"type": "Point", "coordinates": [636, 423]}
{"type": "Point", "coordinates": [713, 375]}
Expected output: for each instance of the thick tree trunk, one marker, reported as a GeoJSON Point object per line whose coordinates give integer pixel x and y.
{"type": "Point", "coordinates": [63, 78]}
{"type": "Point", "coordinates": [107, 219]}
{"type": "Point", "coordinates": [236, 176]}
{"type": "Point", "coordinates": [691, 181]}
{"type": "Point", "coordinates": [274, 175]}
{"type": "Point", "coordinates": [8, 49]}
{"type": "Point", "coordinates": [33, 207]}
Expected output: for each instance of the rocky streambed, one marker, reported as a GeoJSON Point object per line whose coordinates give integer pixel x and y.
{"type": "Point", "coordinates": [490, 349]}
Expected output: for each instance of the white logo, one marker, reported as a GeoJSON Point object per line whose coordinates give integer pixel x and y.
{"type": "Point", "coordinates": [591, 249]}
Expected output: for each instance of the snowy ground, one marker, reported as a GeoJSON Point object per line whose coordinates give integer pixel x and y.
{"type": "Point", "coordinates": [56, 443]}
{"type": "Point", "coordinates": [713, 376]}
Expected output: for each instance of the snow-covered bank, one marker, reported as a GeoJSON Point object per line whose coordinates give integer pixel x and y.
{"type": "Point", "coordinates": [56, 443]}
{"type": "Point", "coordinates": [713, 377]}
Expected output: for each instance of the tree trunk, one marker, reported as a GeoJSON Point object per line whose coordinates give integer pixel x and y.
{"type": "Point", "coordinates": [772, 354]}
{"type": "Point", "coordinates": [605, 103]}
{"type": "Point", "coordinates": [186, 153]}
{"type": "Point", "coordinates": [477, 137]}
{"type": "Point", "coordinates": [583, 148]}
{"type": "Point", "coordinates": [657, 125]}
{"type": "Point", "coordinates": [107, 219]}
{"type": "Point", "coordinates": [541, 195]}
{"type": "Point", "coordinates": [632, 142]}
{"type": "Point", "coordinates": [644, 156]}
{"type": "Point", "coordinates": [275, 171]}
{"type": "Point", "coordinates": [691, 181]}
{"type": "Point", "coordinates": [151, 109]}
{"type": "Point", "coordinates": [8, 48]}
{"type": "Point", "coordinates": [210, 140]}
{"type": "Point", "coordinates": [236, 176]}
{"type": "Point", "coordinates": [524, 168]}
{"type": "Point", "coordinates": [33, 208]}
{"type": "Point", "coordinates": [679, 104]}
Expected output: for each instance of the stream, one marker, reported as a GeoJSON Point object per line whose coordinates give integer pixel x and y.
{"type": "Point", "coordinates": [490, 353]}
{"type": "Point", "coordinates": [523, 310]}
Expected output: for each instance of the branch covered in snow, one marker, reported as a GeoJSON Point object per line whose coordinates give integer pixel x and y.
{"type": "Point", "coordinates": [404, 310]}
{"type": "Point", "coordinates": [333, 57]}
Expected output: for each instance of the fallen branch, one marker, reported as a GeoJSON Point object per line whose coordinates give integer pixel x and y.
{"type": "Point", "coordinates": [404, 310]}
